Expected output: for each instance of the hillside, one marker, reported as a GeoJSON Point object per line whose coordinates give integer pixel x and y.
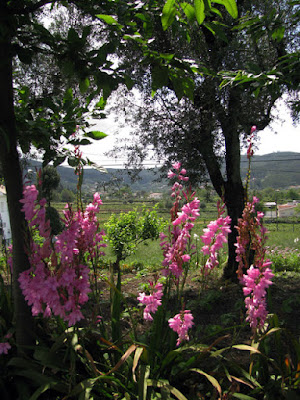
{"type": "Point", "coordinates": [278, 170]}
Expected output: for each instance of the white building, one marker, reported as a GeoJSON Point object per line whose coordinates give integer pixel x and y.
{"type": "Point", "coordinates": [155, 196]}
{"type": "Point", "coordinates": [4, 216]}
{"type": "Point", "coordinates": [286, 210]}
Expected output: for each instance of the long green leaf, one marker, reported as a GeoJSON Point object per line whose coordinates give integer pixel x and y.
{"type": "Point", "coordinates": [199, 11]}
{"type": "Point", "coordinates": [142, 382]}
{"type": "Point", "coordinates": [230, 6]}
{"type": "Point", "coordinates": [189, 10]}
{"type": "Point", "coordinates": [168, 14]}
{"type": "Point", "coordinates": [211, 379]}
{"type": "Point", "coordinates": [245, 347]}
{"type": "Point", "coordinates": [40, 390]}
{"type": "Point", "coordinates": [109, 20]}
{"type": "Point", "coordinates": [242, 396]}
{"type": "Point", "coordinates": [159, 383]}
{"type": "Point", "coordinates": [136, 359]}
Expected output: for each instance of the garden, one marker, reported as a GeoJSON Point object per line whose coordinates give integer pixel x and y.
{"type": "Point", "coordinates": [106, 327]}
{"type": "Point", "coordinates": [139, 306]}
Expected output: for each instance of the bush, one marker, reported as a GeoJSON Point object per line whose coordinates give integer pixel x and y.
{"type": "Point", "coordinates": [284, 259]}
{"type": "Point", "coordinates": [55, 221]}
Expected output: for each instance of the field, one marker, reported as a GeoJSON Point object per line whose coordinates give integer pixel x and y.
{"type": "Point", "coordinates": [282, 234]}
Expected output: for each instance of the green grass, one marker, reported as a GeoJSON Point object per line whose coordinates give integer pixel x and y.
{"type": "Point", "coordinates": [283, 235]}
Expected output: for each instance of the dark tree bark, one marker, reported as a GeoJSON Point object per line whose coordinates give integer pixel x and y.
{"type": "Point", "coordinates": [11, 169]}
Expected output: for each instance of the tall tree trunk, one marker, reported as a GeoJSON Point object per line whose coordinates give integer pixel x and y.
{"type": "Point", "coordinates": [231, 190]}
{"type": "Point", "coordinates": [234, 189]}
{"type": "Point", "coordinates": [9, 159]}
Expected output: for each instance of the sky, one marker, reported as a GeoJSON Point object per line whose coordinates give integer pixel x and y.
{"type": "Point", "coordinates": [281, 135]}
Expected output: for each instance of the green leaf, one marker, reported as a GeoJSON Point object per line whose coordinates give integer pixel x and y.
{"type": "Point", "coordinates": [278, 33]}
{"type": "Point", "coordinates": [68, 95]}
{"type": "Point", "coordinates": [84, 85]}
{"type": "Point", "coordinates": [160, 77]}
{"type": "Point", "coordinates": [168, 14]}
{"type": "Point", "coordinates": [242, 396]}
{"type": "Point", "coordinates": [189, 11]}
{"type": "Point", "coordinates": [59, 160]}
{"type": "Point", "coordinates": [72, 161]}
{"type": "Point", "coordinates": [160, 383]}
{"type": "Point", "coordinates": [101, 103]}
{"type": "Point", "coordinates": [211, 379]}
{"type": "Point", "coordinates": [245, 347]}
{"type": "Point", "coordinates": [40, 390]}
{"type": "Point", "coordinates": [96, 135]}
{"type": "Point", "coordinates": [84, 142]}
{"type": "Point", "coordinates": [128, 82]}
{"type": "Point", "coordinates": [109, 20]}
{"type": "Point", "coordinates": [230, 6]}
{"type": "Point", "coordinates": [219, 31]}
{"type": "Point", "coordinates": [216, 11]}
{"type": "Point", "coordinates": [199, 10]}
{"type": "Point", "coordinates": [73, 35]}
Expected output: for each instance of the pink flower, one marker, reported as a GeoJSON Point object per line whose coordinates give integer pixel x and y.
{"type": "Point", "coordinates": [171, 174]}
{"type": "Point", "coordinates": [151, 301]}
{"type": "Point", "coordinates": [186, 257]}
{"type": "Point", "coordinates": [4, 347]}
{"type": "Point", "coordinates": [180, 324]}
{"type": "Point", "coordinates": [256, 283]}
{"type": "Point", "coordinates": [176, 165]}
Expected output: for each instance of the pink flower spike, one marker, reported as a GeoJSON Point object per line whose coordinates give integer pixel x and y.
{"type": "Point", "coordinates": [253, 129]}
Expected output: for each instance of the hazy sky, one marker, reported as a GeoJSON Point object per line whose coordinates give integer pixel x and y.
{"type": "Point", "coordinates": [281, 135]}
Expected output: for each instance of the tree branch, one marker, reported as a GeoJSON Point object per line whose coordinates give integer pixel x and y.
{"type": "Point", "coordinates": [30, 9]}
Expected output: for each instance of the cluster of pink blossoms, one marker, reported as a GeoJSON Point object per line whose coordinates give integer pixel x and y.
{"type": "Point", "coordinates": [251, 242]}
{"type": "Point", "coordinates": [151, 301]}
{"type": "Point", "coordinates": [57, 281]}
{"type": "Point", "coordinates": [176, 251]}
{"type": "Point", "coordinates": [256, 282]}
{"type": "Point", "coordinates": [251, 237]}
{"type": "Point", "coordinates": [180, 324]}
{"type": "Point", "coordinates": [215, 235]}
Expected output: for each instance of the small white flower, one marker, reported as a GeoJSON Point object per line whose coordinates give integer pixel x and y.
{"type": "Point", "coordinates": [296, 240]}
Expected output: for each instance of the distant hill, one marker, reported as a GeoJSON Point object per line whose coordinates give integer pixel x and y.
{"type": "Point", "coordinates": [147, 180]}
{"type": "Point", "coordinates": [278, 170]}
